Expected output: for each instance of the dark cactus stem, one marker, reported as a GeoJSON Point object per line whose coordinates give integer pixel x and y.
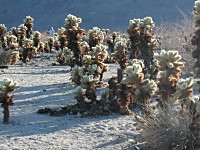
{"type": "Point", "coordinates": [74, 36]}
{"type": "Point", "coordinates": [196, 53]}
{"type": "Point", "coordinates": [124, 99]}
{"type": "Point", "coordinates": [6, 100]}
{"type": "Point", "coordinates": [6, 113]}
{"type": "Point", "coordinates": [119, 75]}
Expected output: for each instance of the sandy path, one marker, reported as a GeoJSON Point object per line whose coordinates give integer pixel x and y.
{"type": "Point", "coordinates": [49, 86]}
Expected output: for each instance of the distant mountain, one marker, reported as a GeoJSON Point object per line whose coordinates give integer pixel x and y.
{"type": "Point", "coordinates": [112, 14]}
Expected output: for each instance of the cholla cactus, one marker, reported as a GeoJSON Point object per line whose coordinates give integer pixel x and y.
{"type": "Point", "coordinates": [62, 37]}
{"type": "Point", "coordinates": [100, 52]}
{"type": "Point", "coordinates": [95, 36]}
{"type": "Point", "coordinates": [105, 106]}
{"type": "Point", "coordinates": [146, 24]}
{"type": "Point", "coordinates": [88, 82]}
{"type": "Point", "coordinates": [50, 43]}
{"type": "Point", "coordinates": [140, 88]}
{"type": "Point", "coordinates": [77, 73]}
{"type": "Point", "coordinates": [6, 86]}
{"type": "Point", "coordinates": [142, 42]}
{"type": "Point", "coordinates": [87, 60]}
{"type": "Point", "coordinates": [79, 96]}
{"type": "Point", "coordinates": [184, 89]}
{"type": "Point", "coordinates": [69, 56]}
{"type": "Point", "coordinates": [170, 65]}
{"type": "Point", "coordinates": [22, 29]}
{"type": "Point", "coordinates": [14, 57]}
{"type": "Point", "coordinates": [112, 41]}
{"type": "Point", "coordinates": [94, 70]}
{"type": "Point", "coordinates": [14, 31]}
{"type": "Point", "coordinates": [169, 62]}
{"type": "Point", "coordinates": [119, 54]}
{"type": "Point", "coordinates": [28, 43]}
{"type": "Point", "coordinates": [133, 27]}
{"type": "Point", "coordinates": [12, 42]}
{"type": "Point", "coordinates": [140, 62]}
{"type": "Point", "coordinates": [61, 31]}
{"type": "Point", "coordinates": [153, 44]}
{"type": "Point", "coordinates": [3, 30]}
{"type": "Point", "coordinates": [86, 48]}
{"type": "Point", "coordinates": [134, 75]}
{"type": "Point", "coordinates": [28, 50]}
{"type": "Point", "coordinates": [65, 56]}
{"type": "Point", "coordinates": [37, 37]}
{"type": "Point", "coordinates": [196, 103]}
{"type": "Point", "coordinates": [134, 36]}
{"type": "Point", "coordinates": [195, 39]}
{"type": "Point", "coordinates": [28, 20]}
{"type": "Point", "coordinates": [74, 34]}
{"type": "Point", "coordinates": [72, 21]}
{"type": "Point", "coordinates": [196, 11]}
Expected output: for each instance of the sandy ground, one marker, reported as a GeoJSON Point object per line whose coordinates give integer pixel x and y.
{"type": "Point", "coordinates": [43, 85]}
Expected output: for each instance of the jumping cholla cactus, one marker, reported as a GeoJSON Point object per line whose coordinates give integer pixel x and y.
{"type": "Point", "coordinates": [119, 54]}
{"type": "Point", "coordinates": [62, 37]}
{"type": "Point", "coordinates": [169, 63]}
{"type": "Point", "coordinates": [134, 36]}
{"type": "Point", "coordinates": [74, 34]}
{"type": "Point", "coordinates": [49, 44]}
{"type": "Point", "coordinates": [37, 37]}
{"type": "Point", "coordinates": [65, 56]}
{"type": "Point", "coordinates": [100, 54]}
{"type": "Point", "coordinates": [169, 66]}
{"type": "Point", "coordinates": [140, 88]}
{"type": "Point", "coordinates": [146, 24]}
{"type": "Point", "coordinates": [87, 60]}
{"type": "Point", "coordinates": [184, 89]}
{"type": "Point", "coordinates": [79, 96]}
{"type": "Point", "coordinates": [28, 50]}
{"type": "Point", "coordinates": [143, 43]}
{"type": "Point", "coordinates": [88, 82]}
{"type": "Point", "coordinates": [135, 86]}
{"type": "Point", "coordinates": [6, 86]}
{"type": "Point", "coordinates": [196, 37]}
{"type": "Point", "coordinates": [14, 56]}
{"type": "Point", "coordinates": [95, 37]}
{"type": "Point", "coordinates": [196, 10]}
{"type": "Point", "coordinates": [77, 74]}
{"type": "Point", "coordinates": [72, 21]}
{"type": "Point", "coordinates": [3, 30]}
{"type": "Point", "coordinates": [111, 41]}
{"type": "Point", "coordinates": [140, 62]}
{"type": "Point", "coordinates": [93, 70]}
{"type": "Point", "coordinates": [28, 22]}
{"type": "Point", "coordinates": [86, 48]}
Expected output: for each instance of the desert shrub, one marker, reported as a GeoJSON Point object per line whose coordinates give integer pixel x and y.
{"type": "Point", "coordinates": [166, 129]}
{"type": "Point", "coordinates": [6, 56]}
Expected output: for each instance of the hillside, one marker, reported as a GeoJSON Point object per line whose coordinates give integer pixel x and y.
{"type": "Point", "coordinates": [112, 14]}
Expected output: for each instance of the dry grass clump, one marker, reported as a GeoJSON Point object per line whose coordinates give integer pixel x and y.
{"type": "Point", "coordinates": [5, 57]}
{"type": "Point", "coordinates": [167, 129]}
